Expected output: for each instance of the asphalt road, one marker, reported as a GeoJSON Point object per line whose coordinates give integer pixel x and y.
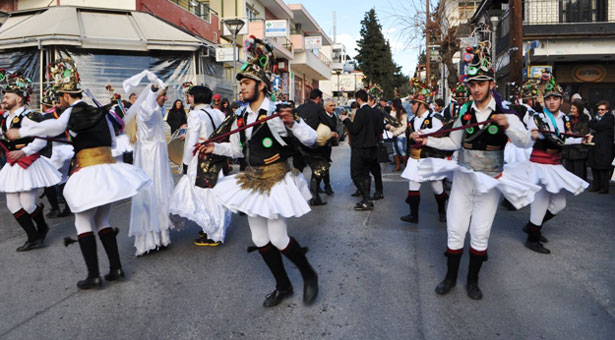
{"type": "Point", "coordinates": [377, 279]}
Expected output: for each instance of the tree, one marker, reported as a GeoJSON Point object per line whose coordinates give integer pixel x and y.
{"type": "Point", "coordinates": [444, 24]}
{"type": "Point", "coordinates": [374, 57]}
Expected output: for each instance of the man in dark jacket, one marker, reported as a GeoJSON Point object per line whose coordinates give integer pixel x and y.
{"type": "Point", "coordinates": [316, 156]}
{"type": "Point", "coordinates": [364, 147]}
{"type": "Point", "coordinates": [601, 155]}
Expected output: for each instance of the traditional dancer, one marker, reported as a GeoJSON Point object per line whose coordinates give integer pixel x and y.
{"type": "Point", "coordinates": [98, 180]}
{"type": "Point", "coordinates": [25, 171]}
{"type": "Point", "coordinates": [478, 176]}
{"type": "Point", "coordinates": [268, 191]}
{"type": "Point", "coordinates": [544, 167]}
{"type": "Point", "coordinates": [61, 156]}
{"type": "Point", "coordinates": [424, 121]}
{"type": "Point", "coordinates": [149, 211]}
{"type": "Point", "coordinates": [193, 199]}
{"type": "Point", "coordinates": [316, 156]}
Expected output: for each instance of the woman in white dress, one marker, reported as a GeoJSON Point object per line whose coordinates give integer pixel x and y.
{"type": "Point", "coordinates": [149, 212]}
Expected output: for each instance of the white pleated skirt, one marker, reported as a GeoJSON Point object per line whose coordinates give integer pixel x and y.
{"type": "Point", "coordinates": [40, 174]}
{"type": "Point", "coordinates": [190, 203]}
{"type": "Point", "coordinates": [287, 198]}
{"type": "Point", "coordinates": [102, 184]}
{"type": "Point", "coordinates": [411, 172]}
{"type": "Point", "coordinates": [554, 178]}
{"type": "Point", "coordinates": [518, 191]}
{"type": "Point", "coordinates": [514, 154]}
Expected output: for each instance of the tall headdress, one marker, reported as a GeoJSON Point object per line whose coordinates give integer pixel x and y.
{"type": "Point", "coordinates": [376, 91]}
{"type": "Point", "coordinates": [461, 91]}
{"type": "Point", "coordinates": [478, 58]}
{"type": "Point", "coordinates": [113, 96]}
{"type": "Point", "coordinates": [421, 92]}
{"type": "Point", "coordinates": [260, 65]}
{"type": "Point", "coordinates": [186, 86]}
{"type": "Point", "coordinates": [49, 96]}
{"type": "Point", "coordinates": [548, 85]}
{"type": "Point", "coordinates": [16, 83]}
{"type": "Point", "coordinates": [65, 77]}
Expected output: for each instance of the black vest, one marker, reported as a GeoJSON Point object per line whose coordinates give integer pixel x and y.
{"type": "Point", "coordinates": [491, 137]}
{"type": "Point", "coordinates": [90, 125]}
{"type": "Point", "coordinates": [551, 141]}
{"type": "Point", "coordinates": [20, 143]}
{"type": "Point", "coordinates": [262, 148]}
{"type": "Point", "coordinates": [427, 151]}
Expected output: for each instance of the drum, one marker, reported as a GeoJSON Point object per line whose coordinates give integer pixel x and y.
{"type": "Point", "coordinates": [323, 133]}
{"type": "Point", "coordinates": [176, 146]}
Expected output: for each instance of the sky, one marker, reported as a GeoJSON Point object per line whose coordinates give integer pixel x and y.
{"type": "Point", "coordinates": [349, 14]}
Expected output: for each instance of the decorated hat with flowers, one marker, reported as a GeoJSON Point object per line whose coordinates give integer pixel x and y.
{"type": "Point", "coordinates": [16, 83]}
{"type": "Point", "coordinates": [420, 91]}
{"type": "Point", "coordinates": [260, 64]}
{"type": "Point", "coordinates": [548, 86]}
{"type": "Point", "coordinates": [63, 73]}
{"type": "Point", "coordinates": [50, 97]}
{"type": "Point", "coordinates": [478, 58]}
{"type": "Point", "coordinates": [461, 91]}
{"type": "Point", "coordinates": [112, 94]}
{"type": "Point", "coordinates": [375, 90]}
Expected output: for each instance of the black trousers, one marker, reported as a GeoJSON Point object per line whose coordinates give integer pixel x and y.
{"type": "Point", "coordinates": [600, 179]}
{"type": "Point", "coordinates": [577, 167]}
{"type": "Point", "coordinates": [362, 161]}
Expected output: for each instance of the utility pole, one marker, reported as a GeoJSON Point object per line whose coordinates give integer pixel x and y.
{"type": "Point", "coordinates": [427, 50]}
{"type": "Point", "coordinates": [516, 42]}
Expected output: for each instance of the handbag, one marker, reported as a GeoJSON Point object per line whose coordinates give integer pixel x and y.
{"type": "Point", "coordinates": [384, 149]}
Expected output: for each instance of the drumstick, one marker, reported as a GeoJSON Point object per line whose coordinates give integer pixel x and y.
{"type": "Point", "coordinates": [443, 131]}
{"type": "Point", "coordinates": [567, 134]}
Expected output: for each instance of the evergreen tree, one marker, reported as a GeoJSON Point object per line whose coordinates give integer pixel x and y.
{"type": "Point", "coordinates": [374, 57]}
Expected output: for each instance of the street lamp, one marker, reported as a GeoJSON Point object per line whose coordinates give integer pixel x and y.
{"type": "Point", "coordinates": [234, 26]}
{"type": "Point", "coordinates": [494, 17]}
{"type": "Point", "coordinates": [339, 101]}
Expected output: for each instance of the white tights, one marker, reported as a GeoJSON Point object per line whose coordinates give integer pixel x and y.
{"type": "Point", "coordinates": [544, 201]}
{"type": "Point", "coordinates": [25, 200]}
{"type": "Point", "coordinates": [266, 230]}
{"type": "Point", "coordinates": [98, 218]}
{"type": "Point", "coordinates": [436, 186]}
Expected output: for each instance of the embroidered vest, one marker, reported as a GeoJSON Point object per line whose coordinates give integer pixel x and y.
{"type": "Point", "coordinates": [262, 148]}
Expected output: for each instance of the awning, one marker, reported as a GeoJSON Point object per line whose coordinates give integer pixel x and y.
{"type": "Point", "coordinates": [94, 29]}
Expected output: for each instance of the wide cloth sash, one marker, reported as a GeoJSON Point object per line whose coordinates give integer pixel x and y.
{"type": "Point", "coordinates": [550, 156]}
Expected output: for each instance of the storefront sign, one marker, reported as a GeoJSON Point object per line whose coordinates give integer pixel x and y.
{"type": "Point", "coordinates": [224, 54]}
{"type": "Point", "coordinates": [276, 28]}
{"type": "Point", "coordinates": [589, 73]}
{"type": "Point", "coordinates": [313, 43]}
{"type": "Point", "coordinates": [536, 70]}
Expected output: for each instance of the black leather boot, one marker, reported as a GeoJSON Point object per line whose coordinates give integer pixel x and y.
{"type": "Point", "coordinates": [52, 197]}
{"type": "Point", "coordinates": [476, 261]}
{"type": "Point", "coordinates": [25, 221]}
{"type": "Point", "coordinates": [296, 255]}
{"type": "Point", "coordinates": [327, 180]}
{"type": "Point", "coordinates": [533, 239]}
{"type": "Point", "coordinates": [441, 200]}
{"type": "Point", "coordinates": [314, 189]}
{"type": "Point", "coordinates": [548, 215]}
{"type": "Point", "coordinates": [39, 219]}
{"type": "Point", "coordinates": [452, 264]}
{"type": "Point", "coordinates": [365, 203]}
{"type": "Point", "coordinates": [283, 289]}
{"type": "Point", "coordinates": [413, 199]}
{"type": "Point", "coordinates": [541, 237]}
{"type": "Point", "coordinates": [109, 241]}
{"type": "Point", "coordinates": [87, 243]}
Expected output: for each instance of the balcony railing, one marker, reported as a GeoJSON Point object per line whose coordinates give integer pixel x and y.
{"type": "Point", "coordinates": [547, 12]}
{"type": "Point", "coordinates": [200, 8]}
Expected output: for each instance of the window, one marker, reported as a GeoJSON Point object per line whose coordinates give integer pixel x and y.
{"type": "Point", "coordinates": [466, 10]}
{"type": "Point", "coordinates": [583, 10]}
{"type": "Point", "coordinates": [251, 13]}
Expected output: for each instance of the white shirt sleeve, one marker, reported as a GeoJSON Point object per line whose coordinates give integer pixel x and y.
{"type": "Point", "coordinates": [50, 127]}
{"type": "Point", "coordinates": [192, 136]}
{"type": "Point", "coordinates": [232, 148]}
{"type": "Point", "coordinates": [436, 125]}
{"type": "Point", "coordinates": [304, 133]}
{"type": "Point", "coordinates": [452, 142]}
{"type": "Point", "coordinates": [517, 133]}
{"type": "Point", "coordinates": [37, 144]}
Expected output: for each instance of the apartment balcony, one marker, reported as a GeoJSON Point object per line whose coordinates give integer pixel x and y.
{"type": "Point", "coordinates": [311, 65]}
{"type": "Point", "coordinates": [544, 18]}
{"type": "Point", "coordinates": [282, 46]}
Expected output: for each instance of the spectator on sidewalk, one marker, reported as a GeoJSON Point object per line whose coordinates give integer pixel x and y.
{"type": "Point", "coordinates": [575, 155]}
{"type": "Point", "coordinates": [601, 155]}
